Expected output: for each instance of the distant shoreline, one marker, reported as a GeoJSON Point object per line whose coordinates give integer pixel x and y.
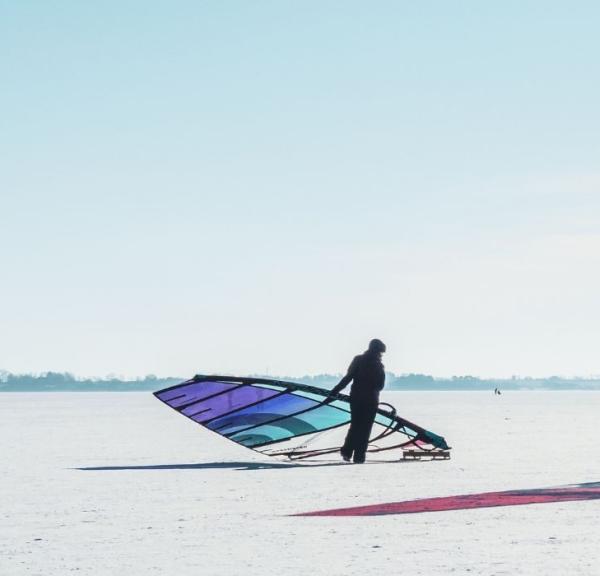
{"type": "Point", "coordinates": [64, 382]}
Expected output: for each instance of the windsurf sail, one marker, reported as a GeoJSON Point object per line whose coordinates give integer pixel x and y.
{"type": "Point", "coordinates": [275, 417]}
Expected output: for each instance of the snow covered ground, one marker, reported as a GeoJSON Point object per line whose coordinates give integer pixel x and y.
{"type": "Point", "coordinates": [117, 483]}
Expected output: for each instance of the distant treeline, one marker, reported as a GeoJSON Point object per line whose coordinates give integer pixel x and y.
{"type": "Point", "coordinates": [423, 382]}
{"type": "Point", "coordinates": [65, 382]}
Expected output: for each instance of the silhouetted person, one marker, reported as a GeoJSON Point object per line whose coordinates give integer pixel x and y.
{"type": "Point", "coordinates": [367, 374]}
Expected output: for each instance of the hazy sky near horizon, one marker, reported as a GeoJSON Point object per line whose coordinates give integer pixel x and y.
{"type": "Point", "coordinates": [252, 187]}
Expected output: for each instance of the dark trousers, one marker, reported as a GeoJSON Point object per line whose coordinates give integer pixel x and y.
{"type": "Point", "coordinates": [362, 416]}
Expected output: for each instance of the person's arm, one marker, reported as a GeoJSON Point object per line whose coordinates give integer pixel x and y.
{"type": "Point", "coordinates": [346, 379]}
{"type": "Point", "coordinates": [381, 379]}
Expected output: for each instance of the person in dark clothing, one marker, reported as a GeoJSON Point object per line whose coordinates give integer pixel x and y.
{"type": "Point", "coordinates": [367, 374]}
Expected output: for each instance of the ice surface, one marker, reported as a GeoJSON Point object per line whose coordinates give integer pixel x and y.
{"type": "Point", "coordinates": [117, 483]}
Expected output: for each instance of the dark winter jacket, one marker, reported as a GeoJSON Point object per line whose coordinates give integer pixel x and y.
{"type": "Point", "coordinates": [367, 374]}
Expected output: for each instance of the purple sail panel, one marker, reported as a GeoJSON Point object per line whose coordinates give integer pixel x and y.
{"type": "Point", "coordinates": [236, 399]}
{"type": "Point", "coordinates": [273, 409]}
{"type": "Point", "coordinates": [190, 393]}
{"type": "Point", "coordinates": [318, 419]}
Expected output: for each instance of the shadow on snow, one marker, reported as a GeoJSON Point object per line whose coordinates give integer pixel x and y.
{"type": "Point", "coordinates": [227, 465]}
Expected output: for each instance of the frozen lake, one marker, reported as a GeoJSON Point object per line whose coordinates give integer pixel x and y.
{"type": "Point", "coordinates": [117, 483]}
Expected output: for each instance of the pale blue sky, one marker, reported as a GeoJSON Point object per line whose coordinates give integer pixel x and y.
{"type": "Point", "coordinates": [265, 186]}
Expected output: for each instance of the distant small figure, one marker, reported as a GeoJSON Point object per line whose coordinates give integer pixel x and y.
{"type": "Point", "coordinates": [497, 391]}
{"type": "Point", "coordinates": [367, 374]}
